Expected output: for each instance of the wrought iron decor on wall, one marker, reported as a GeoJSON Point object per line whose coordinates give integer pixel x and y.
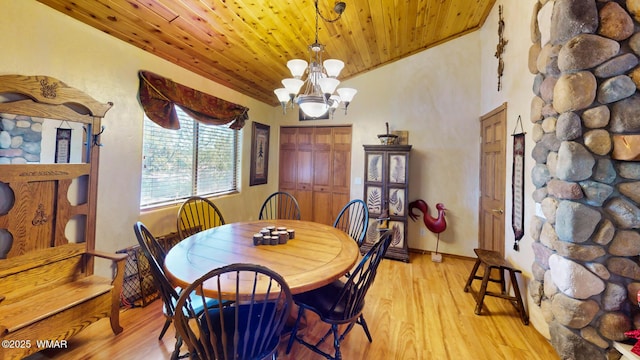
{"type": "Point", "coordinates": [517, 184]}
{"type": "Point", "coordinates": [500, 47]}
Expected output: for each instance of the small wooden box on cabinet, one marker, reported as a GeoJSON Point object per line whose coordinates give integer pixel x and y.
{"type": "Point", "coordinates": [386, 189]}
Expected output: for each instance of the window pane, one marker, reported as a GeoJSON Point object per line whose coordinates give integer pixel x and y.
{"type": "Point", "coordinates": [195, 160]}
{"type": "Point", "coordinates": [216, 164]}
{"type": "Point", "coordinates": [167, 163]}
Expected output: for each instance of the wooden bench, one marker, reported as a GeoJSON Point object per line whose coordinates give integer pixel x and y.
{"type": "Point", "coordinates": [46, 295]}
{"type": "Point", "coordinates": [493, 260]}
{"type": "Point", "coordinates": [48, 290]}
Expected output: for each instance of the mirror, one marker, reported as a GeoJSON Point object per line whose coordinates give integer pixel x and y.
{"type": "Point", "coordinates": [34, 140]}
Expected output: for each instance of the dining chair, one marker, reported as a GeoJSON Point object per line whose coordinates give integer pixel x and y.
{"type": "Point", "coordinates": [354, 220]}
{"type": "Point", "coordinates": [247, 330]}
{"type": "Point", "coordinates": [341, 302]}
{"type": "Point", "coordinates": [197, 214]}
{"type": "Point", "coordinates": [280, 205]}
{"type": "Point", "coordinates": [155, 254]}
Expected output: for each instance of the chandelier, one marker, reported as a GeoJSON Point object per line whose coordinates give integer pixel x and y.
{"type": "Point", "coordinates": [315, 94]}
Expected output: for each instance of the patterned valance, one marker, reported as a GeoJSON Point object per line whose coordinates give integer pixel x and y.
{"type": "Point", "coordinates": [159, 96]}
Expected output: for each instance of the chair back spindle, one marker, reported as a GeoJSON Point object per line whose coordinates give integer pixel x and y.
{"type": "Point", "coordinates": [280, 205]}
{"type": "Point", "coordinates": [251, 328]}
{"type": "Point", "coordinates": [197, 214]}
{"type": "Point", "coordinates": [341, 303]}
{"type": "Point", "coordinates": [354, 220]}
{"type": "Point", "coordinates": [353, 293]}
{"type": "Point", "coordinates": [155, 254]}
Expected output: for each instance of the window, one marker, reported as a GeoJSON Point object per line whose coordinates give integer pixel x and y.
{"type": "Point", "coordinates": [198, 159]}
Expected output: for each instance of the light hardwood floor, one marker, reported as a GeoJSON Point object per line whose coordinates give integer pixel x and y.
{"type": "Point", "coordinates": [414, 311]}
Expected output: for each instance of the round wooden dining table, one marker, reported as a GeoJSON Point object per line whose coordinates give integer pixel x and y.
{"type": "Point", "coordinates": [318, 255]}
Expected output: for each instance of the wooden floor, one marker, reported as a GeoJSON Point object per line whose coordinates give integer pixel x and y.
{"type": "Point", "coordinates": [414, 311]}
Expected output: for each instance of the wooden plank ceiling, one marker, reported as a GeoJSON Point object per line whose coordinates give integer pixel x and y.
{"type": "Point", "coordinates": [245, 44]}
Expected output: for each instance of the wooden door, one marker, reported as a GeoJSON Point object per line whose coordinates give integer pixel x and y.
{"type": "Point", "coordinates": [288, 156]}
{"type": "Point", "coordinates": [305, 166]}
{"type": "Point", "coordinates": [341, 172]}
{"type": "Point", "coordinates": [322, 175]}
{"type": "Point", "coordinates": [492, 180]}
{"type": "Point", "coordinates": [315, 166]}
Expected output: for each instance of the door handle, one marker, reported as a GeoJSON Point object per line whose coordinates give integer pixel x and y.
{"type": "Point", "coordinates": [499, 211]}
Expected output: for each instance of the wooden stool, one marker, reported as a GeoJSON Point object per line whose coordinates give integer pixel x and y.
{"type": "Point", "coordinates": [492, 260]}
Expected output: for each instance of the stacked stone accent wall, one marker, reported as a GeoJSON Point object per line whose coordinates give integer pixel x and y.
{"type": "Point", "coordinates": [586, 237]}
{"type": "Point", "coordinates": [20, 139]}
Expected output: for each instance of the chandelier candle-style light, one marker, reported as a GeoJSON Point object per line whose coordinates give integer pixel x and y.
{"type": "Point", "coordinates": [317, 96]}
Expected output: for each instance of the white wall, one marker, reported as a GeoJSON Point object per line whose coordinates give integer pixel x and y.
{"type": "Point", "coordinates": [37, 40]}
{"type": "Point", "coordinates": [517, 93]}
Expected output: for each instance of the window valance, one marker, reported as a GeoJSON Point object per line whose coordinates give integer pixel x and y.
{"type": "Point", "coordinates": [159, 96]}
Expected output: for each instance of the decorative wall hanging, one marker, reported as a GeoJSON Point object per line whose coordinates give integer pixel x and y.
{"type": "Point", "coordinates": [500, 47]}
{"type": "Point", "coordinates": [517, 184]}
{"type": "Point", "coordinates": [63, 145]}
{"type": "Point", "coordinates": [259, 170]}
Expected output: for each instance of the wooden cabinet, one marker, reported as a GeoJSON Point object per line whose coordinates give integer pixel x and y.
{"type": "Point", "coordinates": [315, 167]}
{"type": "Point", "coordinates": [386, 189]}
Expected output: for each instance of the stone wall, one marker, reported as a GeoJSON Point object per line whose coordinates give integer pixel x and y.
{"type": "Point", "coordinates": [586, 275]}
{"type": "Point", "coordinates": [20, 138]}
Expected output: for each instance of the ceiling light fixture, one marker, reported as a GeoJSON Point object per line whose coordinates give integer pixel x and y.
{"type": "Point", "coordinates": [317, 96]}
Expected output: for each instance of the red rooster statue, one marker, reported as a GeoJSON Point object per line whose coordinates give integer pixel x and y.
{"type": "Point", "coordinates": [435, 225]}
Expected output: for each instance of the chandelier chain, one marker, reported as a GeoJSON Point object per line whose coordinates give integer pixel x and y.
{"type": "Point", "coordinates": [338, 8]}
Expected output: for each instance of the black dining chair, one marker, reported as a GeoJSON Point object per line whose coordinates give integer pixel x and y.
{"type": "Point", "coordinates": [197, 214]}
{"type": "Point", "coordinates": [247, 330]}
{"type": "Point", "coordinates": [154, 253]}
{"type": "Point", "coordinates": [354, 220]}
{"type": "Point", "coordinates": [341, 302]}
{"type": "Point", "coordinates": [280, 205]}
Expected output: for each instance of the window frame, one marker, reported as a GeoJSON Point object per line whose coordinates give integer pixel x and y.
{"type": "Point", "coordinates": [235, 136]}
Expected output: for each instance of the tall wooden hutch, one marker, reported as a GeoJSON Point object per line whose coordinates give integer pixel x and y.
{"type": "Point", "coordinates": [386, 189]}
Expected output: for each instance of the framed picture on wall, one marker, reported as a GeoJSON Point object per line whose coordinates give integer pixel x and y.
{"type": "Point", "coordinates": [259, 168]}
{"type": "Point", "coordinates": [63, 146]}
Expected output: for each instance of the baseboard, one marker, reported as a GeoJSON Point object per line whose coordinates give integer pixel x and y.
{"type": "Point", "coordinates": [425, 252]}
